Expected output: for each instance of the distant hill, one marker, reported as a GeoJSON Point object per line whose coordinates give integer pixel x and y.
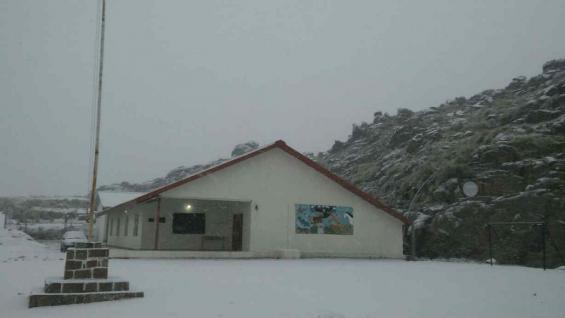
{"type": "Point", "coordinates": [43, 216]}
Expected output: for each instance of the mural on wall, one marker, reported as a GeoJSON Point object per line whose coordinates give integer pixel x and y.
{"type": "Point", "coordinates": [324, 219]}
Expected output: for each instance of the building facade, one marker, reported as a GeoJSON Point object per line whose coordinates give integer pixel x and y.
{"type": "Point", "coordinates": [265, 202]}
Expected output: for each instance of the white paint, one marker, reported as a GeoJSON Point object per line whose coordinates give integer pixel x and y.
{"type": "Point", "coordinates": [170, 254]}
{"type": "Point", "coordinates": [100, 229]}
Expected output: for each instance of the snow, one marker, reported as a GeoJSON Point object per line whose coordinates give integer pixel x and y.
{"type": "Point", "coordinates": [47, 226]}
{"type": "Point", "coordinates": [110, 199]}
{"type": "Point", "coordinates": [16, 246]}
{"type": "Point", "coordinates": [420, 220]}
{"type": "Point", "coordinates": [296, 288]}
{"type": "Point", "coordinates": [58, 210]}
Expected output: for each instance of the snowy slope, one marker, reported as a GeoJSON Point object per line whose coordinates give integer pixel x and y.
{"type": "Point", "coordinates": [17, 246]}
{"type": "Point", "coordinates": [291, 288]}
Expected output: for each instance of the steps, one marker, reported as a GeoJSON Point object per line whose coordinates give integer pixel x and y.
{"type": "Point", "coordinates": [85, 280]}
{"type": "Point", "coordinates": [39, 300]}
{"type": "Point", "coordinates": [85, 286]}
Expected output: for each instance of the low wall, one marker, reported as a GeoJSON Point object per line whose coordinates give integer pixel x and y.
{"type": "Point", "coordinates": [282, 254]}
{"type": "Point", "coordinates": [168, 254]}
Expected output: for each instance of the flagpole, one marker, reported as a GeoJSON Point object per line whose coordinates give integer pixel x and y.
{"type": "Point", "coordinates": [92, 205]}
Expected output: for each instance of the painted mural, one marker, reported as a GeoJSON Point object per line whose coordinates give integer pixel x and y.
{"type": "Point", "coordinates": [323, 219]}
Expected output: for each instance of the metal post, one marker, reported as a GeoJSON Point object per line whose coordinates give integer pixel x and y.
{"type": "Point", "coordinates": [97, 138]}
{"type": "Point", "coordinates": [156, 220]}
{"type": "Point", "coordinates": [413, 232]}
{"type": "Point", "coordinates": [543, 243]}
{"type": "Point", "coordinates": [555, 247]}
{"type": "Point", "coordinates": [413, 242]}
{"type": "Point", "coordinates": [490, 243]}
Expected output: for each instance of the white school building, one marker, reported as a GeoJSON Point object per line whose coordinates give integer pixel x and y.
{"type": "Point", "coordinates": [271, 202]}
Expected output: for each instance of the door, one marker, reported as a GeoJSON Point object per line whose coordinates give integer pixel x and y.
{"type": "Point", "coordinates": [237, 232]}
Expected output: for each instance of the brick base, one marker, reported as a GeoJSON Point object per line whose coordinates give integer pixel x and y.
{"type": "Point", "coordinates": [85, 280]}
{"type": "Point", "coordinates": [40, 300]}
{"type": "Point", "coordinates": [85, 286]}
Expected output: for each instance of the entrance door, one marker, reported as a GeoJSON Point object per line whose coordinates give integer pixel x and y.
{"type": "Point", "coordinates": [237, 232]}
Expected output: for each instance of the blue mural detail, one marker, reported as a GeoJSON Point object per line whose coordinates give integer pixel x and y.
{"type": "Point", "coordinates": [323, 219]}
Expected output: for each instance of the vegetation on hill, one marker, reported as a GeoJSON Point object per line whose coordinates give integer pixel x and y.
{"type": "Point", "coordinates": [510, 141]}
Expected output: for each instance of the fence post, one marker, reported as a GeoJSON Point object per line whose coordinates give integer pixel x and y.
{"type": "Point", "coordinates": [543, 242]}
{"type": "Point", "coordinates": [490, 244]}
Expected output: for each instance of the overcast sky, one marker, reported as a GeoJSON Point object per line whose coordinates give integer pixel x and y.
{"type": "Point", "coordinates": [187, 80]}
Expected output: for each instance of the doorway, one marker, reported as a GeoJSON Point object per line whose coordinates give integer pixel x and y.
{"type": "Point", "coordinates": [237, 232]}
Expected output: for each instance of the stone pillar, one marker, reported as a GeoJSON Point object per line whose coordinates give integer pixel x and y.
{"type": "Point", "coordinates": [87, 261]}
{"type": "Point", "coordinates": [85, 280]}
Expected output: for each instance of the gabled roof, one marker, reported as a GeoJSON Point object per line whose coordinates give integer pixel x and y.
{"type": "Point", "coordinates": [109, 199]}
{"type": "Point", "coordinates": [280, 144]}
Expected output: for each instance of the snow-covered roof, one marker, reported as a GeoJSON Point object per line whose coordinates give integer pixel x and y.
{"type": "Point", "coordinates": [109, 199]}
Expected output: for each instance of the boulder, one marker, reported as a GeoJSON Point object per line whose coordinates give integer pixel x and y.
{"type": "Point", "coordinates": [554, 66]}
{"type": "Point", "coordinates": [557, 126]}
{"type": "Point", "coordinates": [540, 115]}
{"type": "Point", "coordinates": [499, 182]}
{"type": "Point", "coordinates": [241, 149]}
{"type": "Point", "coordinates": [497, 154]}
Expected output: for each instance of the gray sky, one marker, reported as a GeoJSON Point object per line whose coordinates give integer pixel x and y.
{"type": "Point", "coordinates": [187, 80]}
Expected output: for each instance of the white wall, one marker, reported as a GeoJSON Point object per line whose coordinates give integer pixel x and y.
{"type": "Point", "coordinates": [2, 219]}
{"type": "Point", "coordinates": [275, 181]}
{"type": "Point", "coordinates": [121, 239]}
{"type": "Point", "coordinates": [219, 215]}
{"type": "Point", "coordinates": [100, 229]}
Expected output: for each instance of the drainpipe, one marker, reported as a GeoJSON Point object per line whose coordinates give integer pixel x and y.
{"type": "Point", "coordinates": [413, 226]}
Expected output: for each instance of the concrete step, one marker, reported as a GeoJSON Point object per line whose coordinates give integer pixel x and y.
{"type": "Point", "coordinates": [40, 300]}
{"type": "Point", "coordinates": [56, 286]}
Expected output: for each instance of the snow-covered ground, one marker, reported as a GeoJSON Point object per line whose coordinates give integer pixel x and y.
{"type": "Point", "coordinates": [16, 246]}
{"type": "Point", "coordinates": [292, 288]}
{"type": "Point", "coordinates": [46, 226]}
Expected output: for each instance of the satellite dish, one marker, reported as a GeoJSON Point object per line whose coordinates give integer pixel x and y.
{"type": "Point", "coordinates": [470, 189]}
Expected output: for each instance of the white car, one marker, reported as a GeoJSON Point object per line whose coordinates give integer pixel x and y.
{"type": "Point", "coordinates": [72, 237]}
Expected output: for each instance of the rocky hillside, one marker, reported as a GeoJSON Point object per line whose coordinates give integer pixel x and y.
{"type": "Point", "coordinates": [510, 142]}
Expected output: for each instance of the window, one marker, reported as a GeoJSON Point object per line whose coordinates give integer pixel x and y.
{"type": "Point", "coordinates": [118, 226]}
{"type": "Point", "coordinates": [189, 223]}
{"type": "Point", "coordinates": [111, 225]}
{"type": "Point", "coordinates": [126, 225]}
{"type": "Point", "coordinates": [135, 225]}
